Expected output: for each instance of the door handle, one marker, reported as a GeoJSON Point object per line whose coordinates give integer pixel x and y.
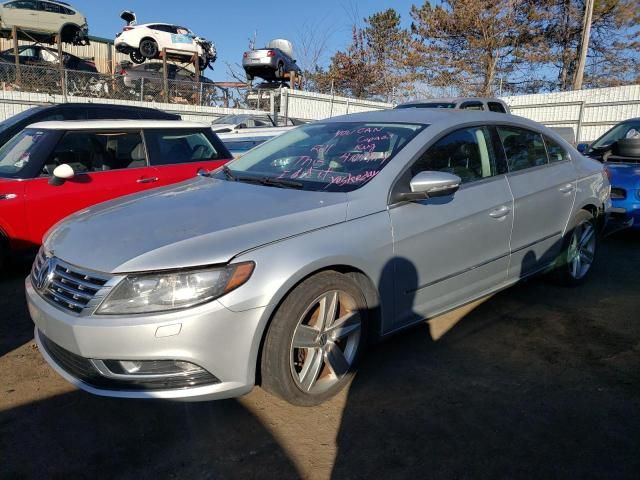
{"type": "Point", "coordinates": [147, 179]}
{"type": "Point", "coordinates": [500, 212]}
{"type": "Point", "coordinates": [566, 188]}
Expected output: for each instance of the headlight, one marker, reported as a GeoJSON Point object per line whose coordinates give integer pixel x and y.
{"type": "Point", "coordinates": [166, 291]}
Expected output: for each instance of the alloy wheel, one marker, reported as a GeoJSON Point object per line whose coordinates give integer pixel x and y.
{"type": "Point", "coordinates": [325, 342]}
{"type": "Point", "coordinates": [582, 250]}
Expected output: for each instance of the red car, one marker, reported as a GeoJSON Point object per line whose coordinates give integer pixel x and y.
{"type": "Point", "coordinates": [99, 160]}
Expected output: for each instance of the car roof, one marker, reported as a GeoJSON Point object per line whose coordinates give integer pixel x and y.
{"type": "Point", "coordinates": [453, 100]}
{"type": "Point", "coordinates": [102, 105]}
{"type": "Point", "coordinates": [111, 124]}
{"type": "Point", "coordinates": [435, 116]}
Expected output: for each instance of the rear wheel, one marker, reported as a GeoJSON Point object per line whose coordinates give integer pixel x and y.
{"type": "Point", "coordinates": [280, 71]}
{"type": "Point", "coordinates": [148, 48]}
{"type": "Point", "coordinates": [315, 340]}
{"type": "Point", "coordinates": [576, 260]}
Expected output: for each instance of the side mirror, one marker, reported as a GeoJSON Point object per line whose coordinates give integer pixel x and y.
{"type": "Point", "coordinates": [61, 173]}
{"type": "Point", "coordinates": [582, 147]}
{"type": "Point", "coordinates": [432, 184]}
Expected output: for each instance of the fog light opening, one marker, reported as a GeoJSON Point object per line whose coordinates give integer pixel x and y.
{"type": "Point", "coordinates": [152, 367]}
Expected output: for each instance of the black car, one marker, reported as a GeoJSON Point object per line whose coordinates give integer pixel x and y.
{"type": "Point", "coordinates": [78, 111]}
{"type": "Point", "coordinates": [38, 55]}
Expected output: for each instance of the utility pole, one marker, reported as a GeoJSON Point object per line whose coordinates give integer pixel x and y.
{"type": "Point", "coordinates": [584, 44]}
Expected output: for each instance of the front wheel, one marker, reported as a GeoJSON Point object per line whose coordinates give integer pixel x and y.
{"type": "Point", "coordinates": [315, 340]}
{"type": "Point", "coordinates": [576, 260]}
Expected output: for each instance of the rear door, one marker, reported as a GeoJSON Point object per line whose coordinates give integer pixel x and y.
{"type": "Point", "coordinates": [544, 193]}
{"type": "Point", "coordinates": [107, 165]}
{"type": "Point", "coordinates": [20, 13]}
{"type": "Point", "coordinates": [178, 154]}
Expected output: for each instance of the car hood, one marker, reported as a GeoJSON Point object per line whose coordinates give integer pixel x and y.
{"type": "Point", "coordinates": [202, 221]}
{"type": "Point", "coordinates": [624, 175]}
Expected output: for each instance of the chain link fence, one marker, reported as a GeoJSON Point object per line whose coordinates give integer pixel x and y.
{"type": "Point", "coordinates": [125, 86]}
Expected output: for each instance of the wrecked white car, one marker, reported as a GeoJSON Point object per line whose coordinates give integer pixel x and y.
{"type": "Point", "coordinates": [146, 41]}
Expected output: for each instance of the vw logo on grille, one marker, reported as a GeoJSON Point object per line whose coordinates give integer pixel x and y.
{"type": "Point", "coordinates": [44, 276]}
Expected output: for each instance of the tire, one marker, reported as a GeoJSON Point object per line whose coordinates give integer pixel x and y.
{"type": "Point", "coordinates": [628, 147]}
{"type": "Point", "coordinates": [324, 360]}
{"type": "Point", "coordinates": [280, 71]}
{"type": "Point", "coordinates": [136, 57]}
{"type": "Point", "coordinates": [578, 254]}
{"type": "Point", "coordinates": [3, 253]}
{"type": "Point", "coordinates": [250, 78]}
{"type": "Point", "coordinates": [148, 48]}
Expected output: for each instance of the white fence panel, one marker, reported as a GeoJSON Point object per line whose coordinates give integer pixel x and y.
{"type": "Point", "coordinates": [589, 112]}
{"type": "Point", "coordinates": [12, 102]}
{"type": "Point", "coordinates": [316, 106]}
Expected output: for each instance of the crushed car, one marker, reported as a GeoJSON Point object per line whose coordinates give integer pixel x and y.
{"type": "Point", "coordinates": [146, 41]}
{"type": "Point", "coordinates": [274, 62]}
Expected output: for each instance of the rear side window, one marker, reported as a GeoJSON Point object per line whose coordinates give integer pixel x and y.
{"type": "Point", "coordinates": [472, 106]}
{"type": "Point", "coordinates": [523, 148]}
{"type": "Point", "coordinates": [176, 146]}
{"type": "Point", "coordinates": [496, 107]}
{"type": "Point", "coordinates": [555, 151]}
{"type": "Point", "coordinates": [98, 151]}
{"type": "Point", "coordinates": [466, 153]}
{"type": "Point", "coordinates": [22, 4]}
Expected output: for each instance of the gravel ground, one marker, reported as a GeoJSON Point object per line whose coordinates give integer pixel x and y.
{"type": "Point", "coordinates": [538, 381]}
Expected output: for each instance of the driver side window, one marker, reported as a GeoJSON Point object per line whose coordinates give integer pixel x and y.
{"type": "Point", "coordinates": [466, 153]}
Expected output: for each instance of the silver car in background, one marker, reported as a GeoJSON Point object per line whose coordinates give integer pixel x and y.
{"type": "Point", "coordinates": [280, 265]}
{"type": "Point", "coordinates": [270, 63]}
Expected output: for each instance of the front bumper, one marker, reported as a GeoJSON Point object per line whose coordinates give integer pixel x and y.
{"type": "Point", "coordinates": [222, 342]}
{"type": "Point", "coordinates": [626, 211]}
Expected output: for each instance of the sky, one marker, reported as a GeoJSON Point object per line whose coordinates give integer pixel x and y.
{"type": "Point", "coordinates": [231, 23]}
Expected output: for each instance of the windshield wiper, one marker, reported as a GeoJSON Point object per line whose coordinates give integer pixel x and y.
{"type": "Point", "coordinates": [268, 181]}
{"type": "Point", "coordinates": [227, 173]}
{"type": "Point", "coordinates": [281, 182]}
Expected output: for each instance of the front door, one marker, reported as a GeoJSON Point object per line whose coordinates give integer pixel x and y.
{"type": "Point", "coordinates": [449, 250]}
{"type": "Point", "coordinates": [106, 165]}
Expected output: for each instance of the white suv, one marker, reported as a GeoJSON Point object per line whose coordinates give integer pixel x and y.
{"type": "Point", "coordinates": [45, 19]}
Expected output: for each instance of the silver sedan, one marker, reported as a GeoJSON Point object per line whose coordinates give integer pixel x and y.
{"type": "Point", "coordinates": [280, 266]}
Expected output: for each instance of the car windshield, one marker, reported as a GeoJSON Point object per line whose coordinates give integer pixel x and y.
{"type": "Point", "coordinates": [428, 105]}
{"type": "Point", "coordinates": [17, 152]}
{"type": "Point", "coordinates": [334, 156]}
{"type": "Point", "coordinates": [624, 130]}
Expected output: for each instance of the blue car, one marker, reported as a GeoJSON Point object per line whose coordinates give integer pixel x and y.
{"type": "Point", "coordinates": [618, 149]}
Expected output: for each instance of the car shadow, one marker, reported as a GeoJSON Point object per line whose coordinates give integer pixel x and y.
{"type": "Point", "coordinates": [16, 328]}
{"type": "Point", "coordinates": [536, 382]}
{"type": "Point", "coordinates": [78, 435]}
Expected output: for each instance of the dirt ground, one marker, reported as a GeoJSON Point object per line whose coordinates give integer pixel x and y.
{"type": "Point", "coordinates": [537, 382]}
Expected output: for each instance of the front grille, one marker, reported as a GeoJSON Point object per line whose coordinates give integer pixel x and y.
{"type": "Point", "coordinates": [64, 285]}
{"type": "Point", "coordinates": [83, 369]}
{"type": "Point", "coordinates": [618, 194]}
